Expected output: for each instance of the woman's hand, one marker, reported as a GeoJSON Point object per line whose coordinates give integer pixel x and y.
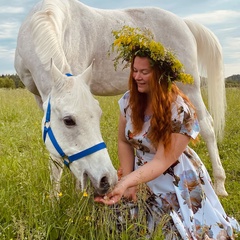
{"type": "Point", "coordinates": [114, 196]}
{"type": "Point", "coordinates": [131, 194]}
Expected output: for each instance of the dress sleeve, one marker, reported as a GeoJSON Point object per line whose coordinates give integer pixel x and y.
{"type": "Point", "coordinates": [123, 104]}
{"type": "Point", "coordinates": [184, 119]}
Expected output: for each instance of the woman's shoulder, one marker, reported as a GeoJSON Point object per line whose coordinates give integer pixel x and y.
{"type": "Point", "coordinates": [125, 98]}
{"type": "Point", "coordinates": [182, 110]}
{"type": "Point", "coordinates": [126, 95]}
{"type": "Point", "coordinates": [179, 100]}
{"type": "Point", "coordinates": [184, 119]}
{"type": "Point", "coordinates": [180, 103]}
{"type": "Point", "coordinates": [123, 102]}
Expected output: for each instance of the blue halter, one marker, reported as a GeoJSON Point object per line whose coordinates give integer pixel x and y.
{"type": "Point", "coordinates": [67, 159]}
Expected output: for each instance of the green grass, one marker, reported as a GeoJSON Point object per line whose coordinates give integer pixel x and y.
{"type": "Point", "coordinates": [27, 212]}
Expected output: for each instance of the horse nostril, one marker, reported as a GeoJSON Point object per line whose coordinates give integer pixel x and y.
{"type": "Point", "coordinates": [104, 183]}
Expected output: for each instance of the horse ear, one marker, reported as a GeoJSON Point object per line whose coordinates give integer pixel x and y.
{"type": "Point", "coordinates": [87, 74]}
{"type": "Point", "coordinates": [57, 76]}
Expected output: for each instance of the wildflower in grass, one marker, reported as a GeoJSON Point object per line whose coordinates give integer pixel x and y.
{"type": "Point", "coordinates": [85, 194]}
{"type": "Point", "coordinates": [60, 194]}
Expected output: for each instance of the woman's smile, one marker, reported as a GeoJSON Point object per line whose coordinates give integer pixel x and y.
{"type": "Point", "coordinates": [141, 73]}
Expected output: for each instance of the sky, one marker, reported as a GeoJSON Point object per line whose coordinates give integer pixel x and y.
{"type": "Point", "coordinates": [222, 17]}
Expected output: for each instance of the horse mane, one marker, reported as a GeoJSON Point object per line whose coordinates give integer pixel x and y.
{"type": "Point", "coordinates": [47, 27]}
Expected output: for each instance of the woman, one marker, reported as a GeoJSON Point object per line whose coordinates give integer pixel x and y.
{"type": "Point", "coordinates": [157, 122]}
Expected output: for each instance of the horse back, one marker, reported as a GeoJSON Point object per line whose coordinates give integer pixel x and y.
{"type": "Point", "coordinates": [73, 34]}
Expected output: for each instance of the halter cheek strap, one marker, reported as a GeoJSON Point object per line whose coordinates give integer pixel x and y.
{"type": "Point", "coordinates": [67, 159]}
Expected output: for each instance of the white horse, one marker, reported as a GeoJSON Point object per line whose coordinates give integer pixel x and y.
{"type": "Point", "coordinates": [71, 131]}
{"type": "Point", "coordinates": [73, 34]}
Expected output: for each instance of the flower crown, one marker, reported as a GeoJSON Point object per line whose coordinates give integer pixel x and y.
{"type": "Point", "coordinates": [132, 42]}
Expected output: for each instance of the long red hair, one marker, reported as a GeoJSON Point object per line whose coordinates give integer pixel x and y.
{"type": "Point", "coordinates": [161, 98]}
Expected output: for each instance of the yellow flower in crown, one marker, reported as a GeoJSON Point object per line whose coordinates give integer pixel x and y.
{"type": "Point", "coordinates": [130, 42]}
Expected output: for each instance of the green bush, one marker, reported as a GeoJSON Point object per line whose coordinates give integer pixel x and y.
{"type": "Point", "coordinates": [6, 82]}
{"type": "Point", "coordinates": [11, 81]}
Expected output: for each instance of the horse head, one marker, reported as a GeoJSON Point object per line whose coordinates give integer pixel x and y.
{"type": "Point", "coordinates": [71, 130]}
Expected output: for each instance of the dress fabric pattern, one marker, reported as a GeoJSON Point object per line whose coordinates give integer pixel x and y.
{"type": "Point", "coordinates": [185, 190]}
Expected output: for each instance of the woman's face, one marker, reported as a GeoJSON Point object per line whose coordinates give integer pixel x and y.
{"type": "Point", "coordinates": [142, 72]}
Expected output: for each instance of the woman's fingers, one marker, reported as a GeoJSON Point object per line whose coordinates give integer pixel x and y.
{"type": "Point", "coordinates": [110, 200]}
{"type": "Point", "coordinates": [107, 200]}
{"type": "Point", "coordinates": [97, 199]}
{"type": "Point", "coordinates": [112, 197]}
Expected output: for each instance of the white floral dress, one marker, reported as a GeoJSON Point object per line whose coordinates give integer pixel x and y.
{"type": "Point", "coordinates": [185, 190]}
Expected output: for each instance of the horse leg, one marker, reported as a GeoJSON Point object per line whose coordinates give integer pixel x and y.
{"type": "Point", "coordinates": [56, 170]}
{"type": "Point", "coordinates": [208, 134]}
{"type": "Point", "coordinates": [210, 59]}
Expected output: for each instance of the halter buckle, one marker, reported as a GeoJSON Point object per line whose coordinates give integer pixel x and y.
{"type": "Point", "coordinates": [47, 124]}
{"type": "Point", "coordinates": [66, 160]}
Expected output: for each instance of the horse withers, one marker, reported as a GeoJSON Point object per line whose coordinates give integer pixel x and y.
{"type": "Point", "coordinates": [73, 34]}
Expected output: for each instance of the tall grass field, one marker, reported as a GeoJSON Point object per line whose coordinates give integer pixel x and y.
{"type": "Point", "coordinates": [28, 212]}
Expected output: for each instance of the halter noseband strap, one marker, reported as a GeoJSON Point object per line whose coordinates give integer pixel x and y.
{"type": "Point", "coordinates": [67, 159]}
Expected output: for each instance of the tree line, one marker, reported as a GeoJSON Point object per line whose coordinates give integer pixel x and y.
{"type": "Point", "coordinates": [13, 81]}
{"type": "Point", "coordinates": [233, 81]}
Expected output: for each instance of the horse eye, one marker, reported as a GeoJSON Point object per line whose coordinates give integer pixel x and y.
{"type": "Point", "coordinates": [68, 121]}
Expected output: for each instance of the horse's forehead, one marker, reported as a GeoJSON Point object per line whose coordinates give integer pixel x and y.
{"type": "Point", "coordinates": [75, 95]}
{"type": "Point", "coordinates": [68, 88]}
{"type": "Point", "coordinates": [69, 84]}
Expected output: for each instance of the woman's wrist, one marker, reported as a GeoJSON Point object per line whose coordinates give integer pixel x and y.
{"type": "Point", "coordinates": [123, 183]}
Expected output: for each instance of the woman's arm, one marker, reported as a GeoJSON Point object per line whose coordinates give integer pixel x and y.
{"type": "Point", "coordinates": [125, 150]}
{"type": "Point", "coordinates": [126, 158]}
{"type": "Point", "coordinates": [159, 164]}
